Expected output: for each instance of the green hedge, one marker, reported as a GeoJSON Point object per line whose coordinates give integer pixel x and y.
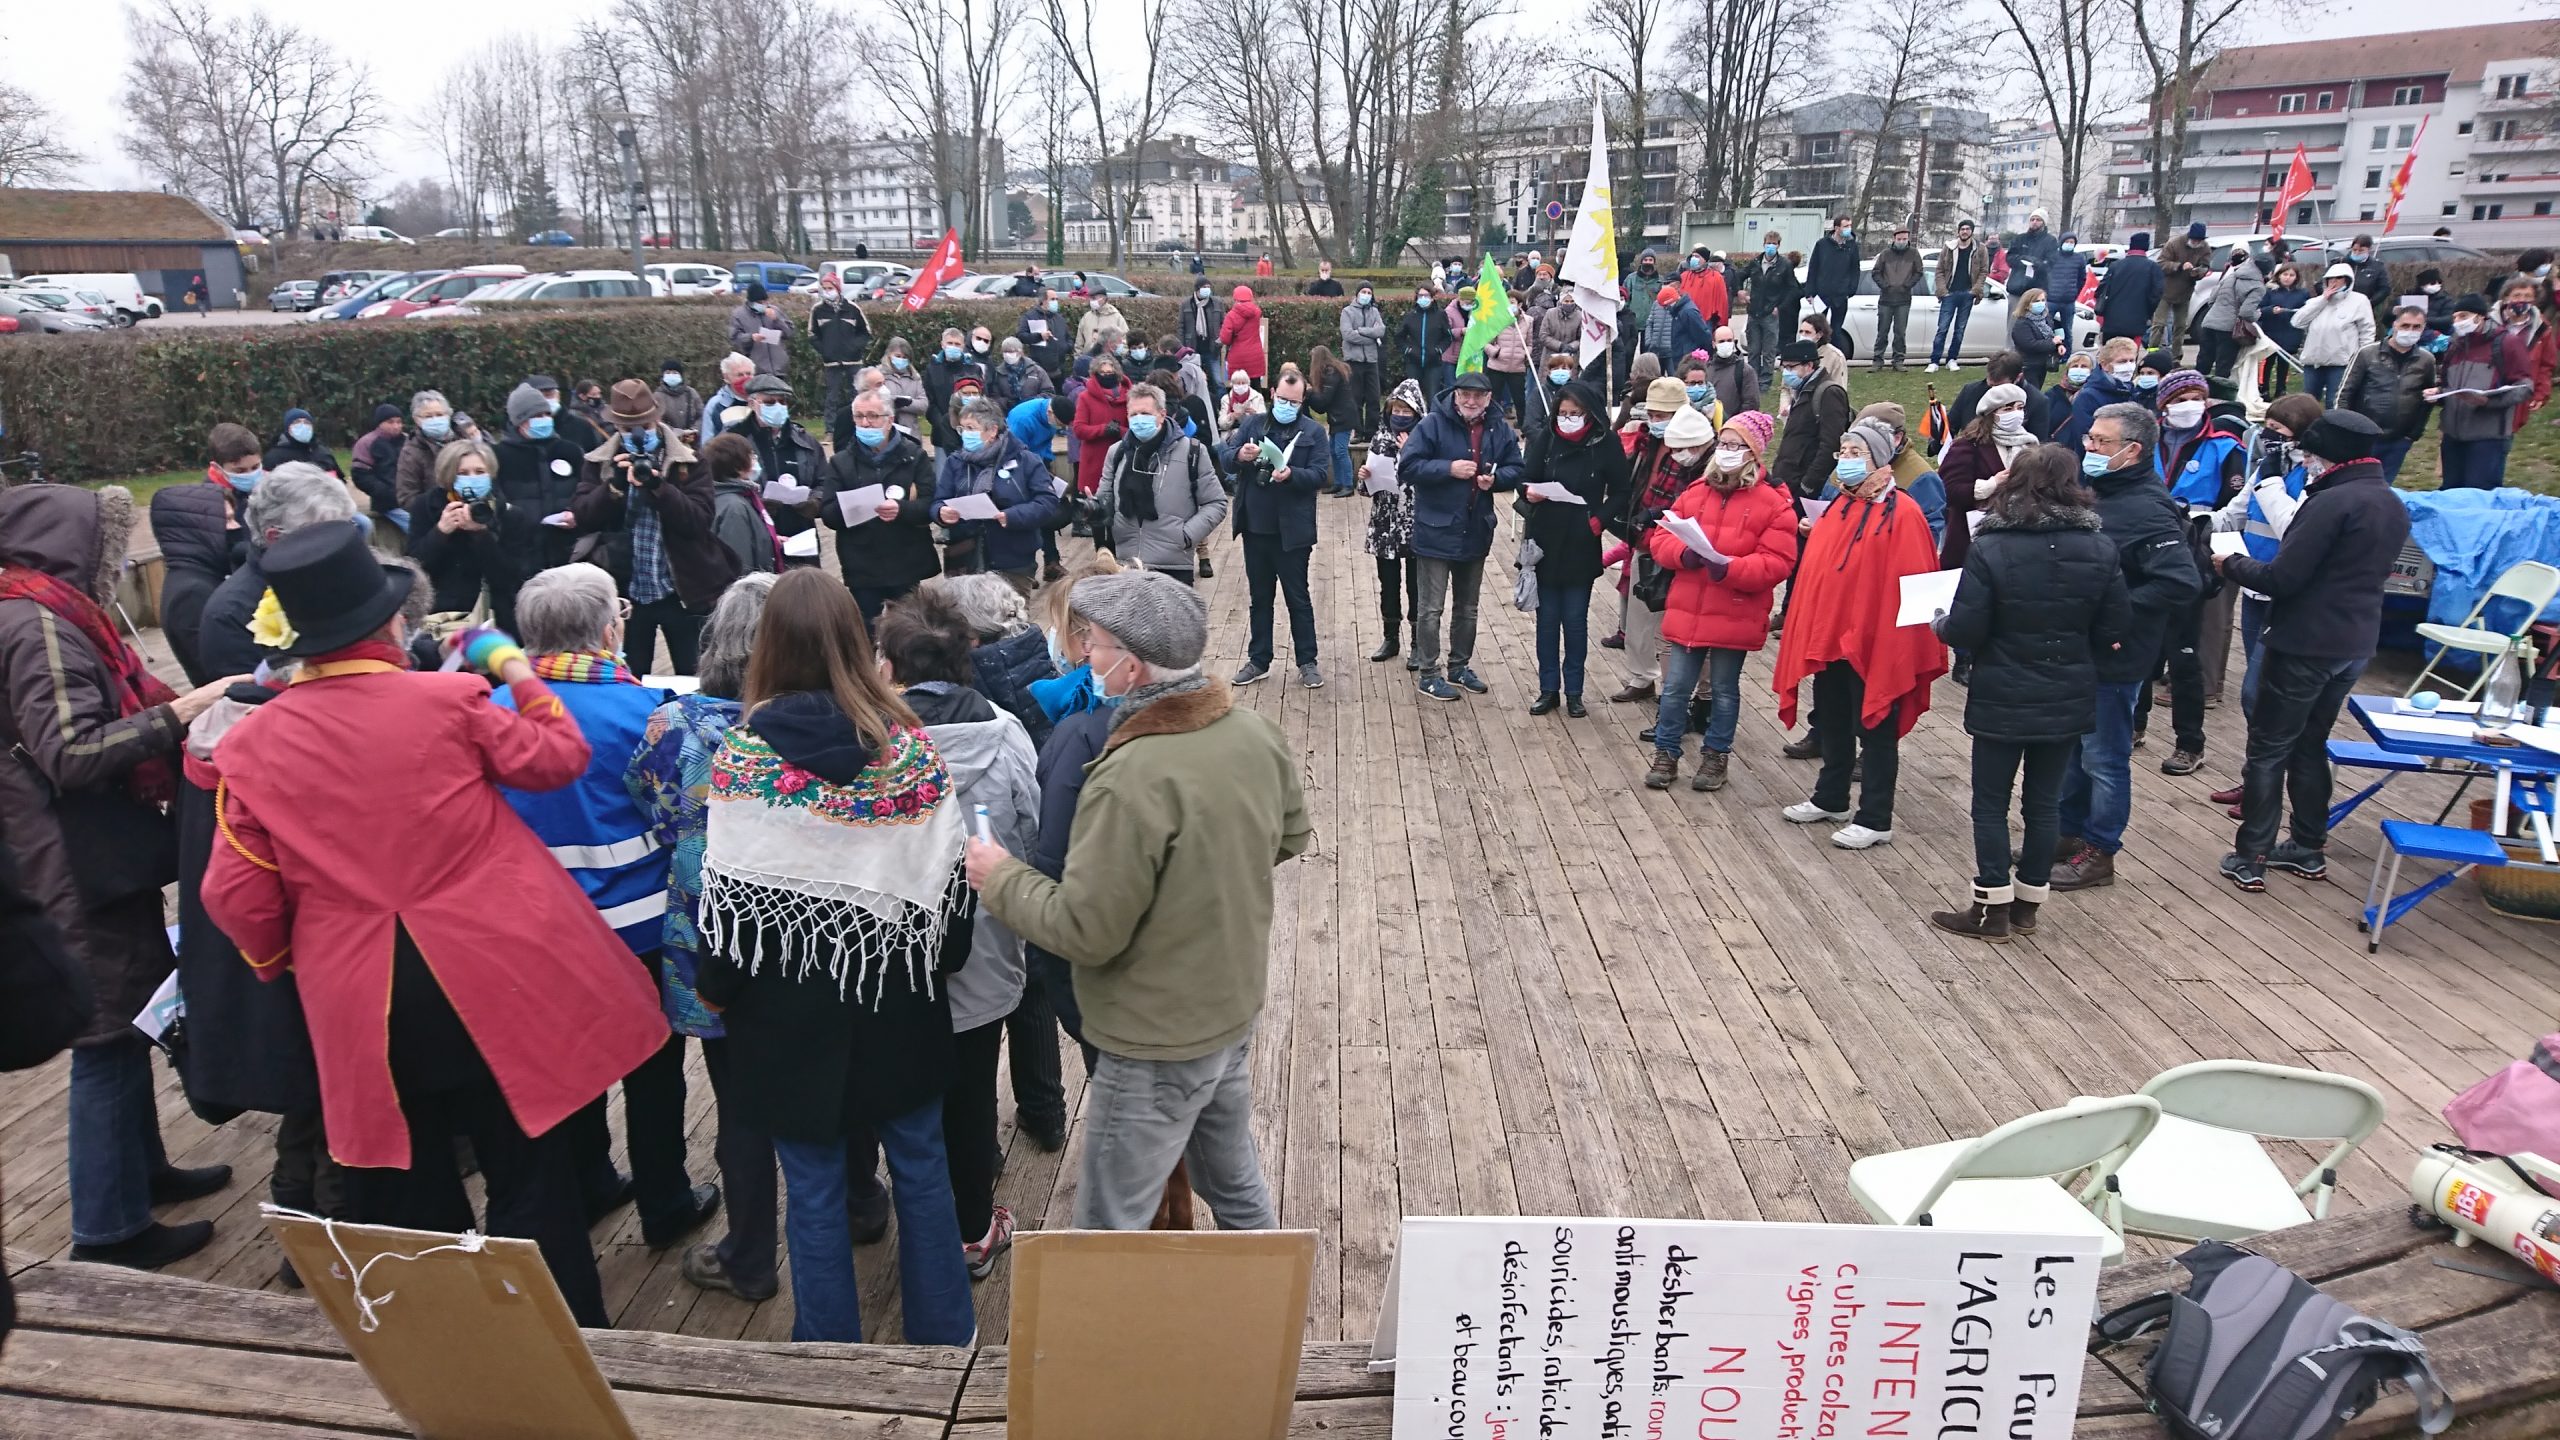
{"type": "Point", "coordinates": [142, 400]}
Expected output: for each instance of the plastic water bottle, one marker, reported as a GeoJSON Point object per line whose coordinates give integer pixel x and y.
{"type": "Point", "coordinates": [2502, 699]}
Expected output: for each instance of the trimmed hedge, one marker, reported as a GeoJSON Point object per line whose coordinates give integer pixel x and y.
{"type": "Point", "coordinates": [139, 401]}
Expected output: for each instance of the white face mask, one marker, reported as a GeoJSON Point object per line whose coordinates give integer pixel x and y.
{"type": "Point", "coordinates": [1730, 460]}
{"type": "Point", "coordinates": [2185, 414]}
{"type": "Point", "coordinates": [1684, 458]}
{"type": "Point", "coordinates": [2010, 422]}
{"type": "Point", "coordinates": [2122, 369]}
{"type": "Point", "coordinates": [1724, 349]}
{"type": "Point", "coordinates": [2465, 327]}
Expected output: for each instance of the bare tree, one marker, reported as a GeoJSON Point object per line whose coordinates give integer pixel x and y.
{"type": "Point", "coordinates": [310, 110]}
{"type": "Point", "coordinates": [944, 64]}
{"type": "Point", "coordinates": [31, 152]}
{"type": "Point", "coordinates": [2177, 41]}
{"type": "Point", "coordinates": [1244, 84]}
{"type": "Point", "coordinates": [1912, 62]}
{"type": "Point", "coordinates": [1745, 60]}
{"type": "Point", "coordinates": [1070, 25]}
{"type": "Point", "coordinates": [2059, 43]}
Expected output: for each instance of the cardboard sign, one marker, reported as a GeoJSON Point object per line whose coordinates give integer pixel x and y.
{"type": "Point", "coordinates": [1156, 1335]}
{"type": "Point", "coordinates": [468, 1335]}
{"type": "Point", "coordinates": [1566, 1329]}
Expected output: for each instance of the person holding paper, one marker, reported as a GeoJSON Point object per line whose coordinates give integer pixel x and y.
{"type": "Point", "coordinates": [891, 552]}
{"type": "Point", "coordinates": [738, 505]}
{"type": "Point", "coordinates": [1459, 455]}
{"type": "Point", "coordinates": [2488, 364]}
{"type": "Point", "coordinates": [1390, 534]}
{"type": "Point", "coordinates": [643, 491]}
{"type": "Point", "coordinates": [759, 330]}
{"type": "Point", "coordinates": [785, 452]}
{"type": "Point", "coordinates": [2323, 622]}
{"type": "Point", "coordinates": [992, 465]}
{"type": "Point", "coordinates": [1871, 676]}
{"type": "Point", "coordinates": [1279, 459]}
{"type": "Point", "coordinates": [1972, 467]}
{"type": "Point", "coordinates": [1816, 418]}
{"type": "Point", "coordinates": [1723, 574]}
{"type": "Point", "coordinates": [1575, 450]}
{"type": "Point", "coordinates": [2259, 515]}
{"type": "Point", "coordinates": [2041, 597]}
{"type": "Point", "coordinates": [1667, 453]}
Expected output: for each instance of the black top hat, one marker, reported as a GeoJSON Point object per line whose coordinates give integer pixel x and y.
{"type": "Point", "coordinates": [333, 590]}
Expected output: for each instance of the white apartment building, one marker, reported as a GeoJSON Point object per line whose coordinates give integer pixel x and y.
{"type": "Point", "coordinates": [880, 193]}
{"type": "Point", "coordinates": [2488, 165]}
{"type": "Point", "coordinates": [1928, 167]}
{"type": "Point", "coordinates": [2022, 173]}
{"type": "Point", "coordinates": [1194, 214]}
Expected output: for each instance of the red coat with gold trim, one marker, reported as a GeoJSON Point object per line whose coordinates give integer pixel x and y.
{"type": "Point", "coordinates": [316, 865]}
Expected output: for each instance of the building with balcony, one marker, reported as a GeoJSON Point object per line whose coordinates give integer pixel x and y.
{"type": "Point", "coordinates": [2022, 173]}
{"type": "Point", "coordinates": [2488, 163]}
{"type": "Point", "coordinates": [1517, 179]}
{"type": "Point", "coordinates": [1928, 168]}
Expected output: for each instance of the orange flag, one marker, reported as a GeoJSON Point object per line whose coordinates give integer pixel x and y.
{"type": "Point", "coordinates": [2400, 181]}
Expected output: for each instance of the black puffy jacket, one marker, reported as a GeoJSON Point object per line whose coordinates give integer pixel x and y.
{"type": "Point", "coordinates": [2039, 603]}
{"type": "Point", "coordinates": [2326, 579]}
{"type": "Point", "coordinates": [537, 478]}
{"type": "Point", "coordinates": [892, 554]}
{"type": "Point", "coordinates": [2160, 577]}
{"type": "Point", "coordinates": [199, 546]}
{"type": "Point", "coordinates": [1002, 670]}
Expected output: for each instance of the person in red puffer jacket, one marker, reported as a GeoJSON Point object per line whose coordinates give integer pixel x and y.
{"type": "Point", "coordinates": [1719, 606]}
{"type": "Point", "coordinates": [1240, 337]}
{"type": "Point", "coordinates": [1102, 417]}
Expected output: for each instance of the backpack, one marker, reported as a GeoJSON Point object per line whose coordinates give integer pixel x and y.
{"type": "Point", "coordinates": [2255, 1352]}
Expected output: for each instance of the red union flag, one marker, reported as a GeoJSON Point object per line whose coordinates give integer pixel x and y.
{"type": "Point", "coordinates": [2400, 181]}
{"type": "Point", "coordinates": [2297, 187]}
{"type": "Point", "coordinates": [943, 265]}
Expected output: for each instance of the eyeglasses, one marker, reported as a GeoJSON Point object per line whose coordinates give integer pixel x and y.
{"type": "Point", "coordinates": [622, 607]}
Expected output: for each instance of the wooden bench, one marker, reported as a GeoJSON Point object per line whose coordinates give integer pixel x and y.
{"type": "Point", "coordinates": [112, 1354]}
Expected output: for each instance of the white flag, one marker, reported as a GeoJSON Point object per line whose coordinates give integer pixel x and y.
{"type": "Point", "coordinates": [1591, 258]}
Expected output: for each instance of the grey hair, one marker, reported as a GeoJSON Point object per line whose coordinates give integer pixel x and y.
{"type": "Point", "coordinates": [954, 332]}
{"type": "Point", "coordinates": [867, 379]}
{"type": "Point", "coordinates": [424, 398]}
{"type": "Point", "coordinates": [2136, 421]}
{"type": "Point", "coordinates": [567, 608]}
{"type": "Point", "coordinates": [874, 392]}
{"type": "Point", "coordinates": [993, 608]}
{"type": "Point", "coordinates": [731, 634]}
{"type": "Point", "coordinates": [1144, 391]}
{"type": "Point", "coordinates": [296, 494]}
{"type": "Point", "coordinates": [981, 412]}
{"type": "Point", "coordinates": [734, 363]}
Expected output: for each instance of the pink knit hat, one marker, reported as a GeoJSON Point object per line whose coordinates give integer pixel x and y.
{"type": "Point", "coordinates": [1755, 427]}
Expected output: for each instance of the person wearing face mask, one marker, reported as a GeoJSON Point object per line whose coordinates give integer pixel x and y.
{"type": "Point", "coordinates": [2031, 335]}
{"type": "Point", "coordinates": [457, 542]}
{"type": "Point", "coordinates": [2478, 429]}
{"type": "Point", "coordinates": [1102, 328]}
{"type": "Point", "coordinates": [1964, 269]}
{"type": "Point", "coordinates": [299, 441]}
{"type": "Point", "coordinates": [1635, 305]}
{"type": "Point", "coordinates": [943, 371]}
{"type": "Point", "coordinates": [2324, 620]}
{"type": "Point", "coordinates": [1577, 451]}
{"type": "Point", "coordinates": [1702, 280]}
{"type": "Point", "coordinates": [1364, 333]}
{"type": "Point", "coordinates": [1870, 677]}
{"type": "Point", "coordinates": [1559, 327]}
{"type": "Point", "coordinates": [2183, 263]}
{"type": "Point", "coordinates": [202, 538]}
{"type": "Point", "coordinates": [2030, 255]}
{"type": "Point", "coordinates": [431, 417]}
{"type": "Point", "coordinates": [2154, 366]}
{"type": "Point", "coordinates": [1457, 458]}
{"type": "Point", "coordinates": [1203, 319]}
{"type": "Point", "coordinates": [679, 401]}
{"type": "Point", "coordinates": [1422, 335]}
{"type": "Point", "coordinates": [2065, 276]}
{"type": "Point", "coordinates": [988, 461]}
{"type": "Point", "coordinates": [1506, 363]}
{"type": "Point", "coordinates": [2524, 320]}
{"type": "Point", "coordinates": [2149, 531]}
{"type": "Point", "coordinates": [1717, 609]}
{"type": "Point", "coordinates": [1279, 461]}
{"type": "Point", "coordinates": [760, 331]}
{"type": "Point", "coordinates": [1102, 417]}
{"type": "Point", "coordinates": [891, 551]}
{"type": "Point", "coordinates": [1698, 389]}
{"type": "Point", "coordinates": [2129, 294]}
{"type": "Point", "coordinates": [1160, 499]}
{"type": "Point", "coordinates": [2279, 319]}
{"type": "Point", "coordinates": [2065, 390]}
{"type": "Point", "coordinates": [1042, 329]}
{"type": "Point", "coordinates": [785, 451]}
{"type": "Point", "coordinates": [1667, 452]}
{"type": "Point", "coordinates": [2387, 384]}
{"type": "Point", "coordinates": [1912, 472]}
{"type": "Point", "coordinates": [1240, 403]}
{"type": "Point", "coordinates": [1776, 297]}
{"type": "Point", "coordinates": [2204, 462]}
{"type": "Point", "coordinates": [728, 404]}
{"type": "Point", "coordinates": [2336, 325]}
{"type": "Point", "coordinates": [738, 511]}
{"type": "Point", "coordinates": [1554, 373]}
{"type": "Point", "coordinates": [1015, 378]}
{"type": "Point", "coordinates": [903, 383]}
{"type": "Point", "coordinates": [1241, 335]}
{"type": "Point", "coordinates": [2259, 514]}
{"type": "Point", "coordinates": [374, 460]}
{"type": "Point", "coordinates": [1389, 537]}
{"type": "Point", "coordinates": [1675, 328]}
{"type": "Point", "coordinates": [841, 334]}
{"type": "Point", "coordinates": [1835, 365]}
{"type": "Point", "coordinates": [1329, 395]}
{"type": "Point", "coordinates": [2239, 293]}
{"type": "Point", "coordinates": [1975, 463]}
{"type": "Point", "coordinates": [2111, 383]}
{"type": "Point", "coordinates": [538, 473]}
{"type": "Point", "coordinates": [1818, 415]}
{"type": "Point", "coordinates": [1737, 385]}
{"type": "Point", "coordinates": [650, 504]}
{"type": "Point", "coordinates": [2371, 277]}
{"type": "Point", "coordinates": [2439, 307]}
{"type": "Point", "coordinates": [1831, 271]}
{"type": "Point", "coordinates": [2003, 369]}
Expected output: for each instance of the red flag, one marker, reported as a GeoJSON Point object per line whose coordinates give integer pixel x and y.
{"type": "Point", "coordinates": [2297, 186]}
{"type": "Point", "coordinates": [944, 265]}
{"type": "Point", "coordinates": [2400, 181]}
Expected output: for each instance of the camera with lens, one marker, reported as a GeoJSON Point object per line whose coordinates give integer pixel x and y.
{"type": "Point", "coordinates": [644, 466]}
{"type": "Point", "coordinates": [483, 514]}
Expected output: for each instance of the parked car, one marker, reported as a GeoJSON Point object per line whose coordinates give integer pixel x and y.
{"type": "Point", "coordinates": [122, 290]}
{"type": "Point", "coordinates": [377, 235]}
{"type": "Point", "coordinates": [444, 287]}
{"type": "Point", "coordinates": [35, 310]}
{"type": "Point", "coordinates": [660, 240]}
{"type": "Point", "coordinates": [558, 285]}
{"type": "Point", "coordinates": [889, 283]}
{"type": "Point", "coordinates": [295, 295]}
{"type": "Point", "coordinates": [347, 306]}
{"type": "Point", "coordinates": [2395, 250]}
{"type": "Point", "coordinates": [688, 279]}
{"type": "Point", "coordinates": [75, 300]}
{"type": "Point", "coordinates": [551, 237]}
{"type": "Point", "coordinates": [1986, 330]}
{"type": "Point", "coordinates": [774, 275]}
{"type": "Point", "coordinates": [1063, 281]}
{"type": "Point", "coordinates": [453, 232]}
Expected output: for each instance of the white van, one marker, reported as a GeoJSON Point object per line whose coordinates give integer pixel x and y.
{"type": "Point", "coordinates": [124, 291]}
{"type": "Point", "coordinates": [688, 278]}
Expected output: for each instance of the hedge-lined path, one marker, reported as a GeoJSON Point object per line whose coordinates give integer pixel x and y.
{"type": "Point", "coordinates": [1508, 979]}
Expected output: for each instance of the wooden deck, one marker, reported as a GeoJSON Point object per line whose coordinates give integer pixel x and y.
{"type": "Point", "coordinates": [1508, 979]}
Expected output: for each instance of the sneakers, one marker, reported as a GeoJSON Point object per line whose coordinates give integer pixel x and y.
{"type": "Point", "coordinates": [1546, 703]}
{"type": "Point", "coordinates": [1859, 837]}
{"type": "Point", "coordinates": [1465, 679]}
{"type": "Point", "coordinates": [982, 1253]}
{"type": "Point", "coordinates": [1310, 677]}
{"type": "Point", "coordinates": [2225, 797]}
{"type": "Point", "coordinates": [1249, 674]}
{"type": "Point", "coordinates": [1807, 748]}
{"type": "Point", "coordinates": [1711, 771]}
{"type": "Point", "coordinates": [1805, 812]}
{"type": "Point", "coordinates": [2087, 870]}
{"type": "Point", "coordinates": [703, 1270]}
{"type": "Point", "coordinates": [1387, 649]}
{"type": "Point", "coordinates": [1436, 688]}
{"type": "Point", "coordinates": [2182, 761]}
{"type": "Point", "coordinates": [1987, 918]}
{"type": "Point", "coordinates": [1930, 369]}
{"type": "Point", "coordinates": [2297, 859]}
{"type": "Point", "coordinates": [1643, 694]}
{"type": "Point", "coordinates": [2245, 872]}
{"type": "Point", "coordinates": [1666, 768]}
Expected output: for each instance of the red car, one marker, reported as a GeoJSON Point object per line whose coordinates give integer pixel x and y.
{"type": "Point", "coordinates": [446, 288]}
{"type": "Point", "coordinates": [659, 241]}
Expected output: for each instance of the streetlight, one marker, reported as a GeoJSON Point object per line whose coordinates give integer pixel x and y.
{"type": "Point", "coordinates": [626, 137]}
{"type": "Point", "coordinates": [2264, 162]}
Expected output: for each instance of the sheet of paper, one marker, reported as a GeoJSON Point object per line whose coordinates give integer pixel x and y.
{"type": "Point", "coordinates": [803, 546]}
{"type": "Point", "coordinates": [1280, 461]}
{"type": "Point", "coordinates": [165, 1006]}
{"type": "Point", "coordinates": [1551, 490]}
{"type": "Point", "coordinates": [785, 491]}
{"type": "Point", "coordinates": [2540, 737]}
{"type": "Point", "coordinates": [1058, 488]}
{"type": "Point", "coordinates": [560, 521]}
{"type": "Point", "coordinates": [861, 505]}
{"type": "Point", "coordinates": [2428, 725]}
{"type": "Point", "coordinates": [2449, 394]}
{"type": "Point", "coordinates": [2229, 542]}
{"type": "Point", "coordinates": [768, 337]}
{"type": "Point", "coordinates": [1973, 521]}
{"type": "Point", "coordinates": [974, 507]}
{"type": "Point", "coordinates": [2402, 706]}
{"type": "Point", "coordinates": [1925, 594]}
{"type": "Point", "coordinates": [1813, 508]}
{"type": "Point", "coordinates": [1039, 326]}
{"type": "Point", "coordinates": [1691, 534]}
{"type": "Point", "coordinates": [1378, 476]}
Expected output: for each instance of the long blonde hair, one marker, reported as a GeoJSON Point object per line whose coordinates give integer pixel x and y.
{"type": "Point", "coordinates": [812, 638]}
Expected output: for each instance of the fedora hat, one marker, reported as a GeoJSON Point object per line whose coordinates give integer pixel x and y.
{"type": "Point", "coordinates": [333, 590]}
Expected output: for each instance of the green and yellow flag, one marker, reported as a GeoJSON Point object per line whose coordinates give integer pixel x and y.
{"type": "Point", "coordinates": [1492, 317]}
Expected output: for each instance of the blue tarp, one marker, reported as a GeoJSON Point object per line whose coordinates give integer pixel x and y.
{"type": "Point", "coordinates": [2473, 536]}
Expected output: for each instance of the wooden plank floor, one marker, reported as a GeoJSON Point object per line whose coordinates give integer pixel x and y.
{"type": "Point", "coordinates": [1508, 979]}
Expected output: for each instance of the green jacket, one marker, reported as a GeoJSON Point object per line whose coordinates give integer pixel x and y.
{"type": "Point", "coordinates": [1164, 907]}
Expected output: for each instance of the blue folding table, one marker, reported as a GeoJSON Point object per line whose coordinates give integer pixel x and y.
{"type": "Point", "coordinates": [2447, 738]}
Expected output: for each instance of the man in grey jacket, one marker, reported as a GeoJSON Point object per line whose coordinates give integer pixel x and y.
{"type": "Point", "coordinates": [754, 319]}
{"type": "Point", "coordinates": [1364, 336]}
{"type": "Point", "coordinates": [1160, 499]}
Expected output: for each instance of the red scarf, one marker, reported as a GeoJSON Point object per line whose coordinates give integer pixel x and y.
{"type": "Point", "coordinates": [154, 781]}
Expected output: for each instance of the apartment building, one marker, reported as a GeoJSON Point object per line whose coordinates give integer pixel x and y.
{"type": "Point", "coordinates": [1929, 166]}
{"type": "Point", "coordinates": [2022, 173]}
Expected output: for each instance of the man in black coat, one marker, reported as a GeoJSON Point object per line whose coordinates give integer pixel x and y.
{"type": "Point", "coordinates": [201, 540]}
{"type": "Point", "coordinates": [2161, 581]}
{"type": "Point", "coordinates": [786, 451]}
{"type": "Point", "coordinates": [942, 376]}
{"type": "Point", "coordinates": [538, 470]}
{"type": "Point", "coordinates": [841, 334]}
{"type": "Point", "coordinates": [1831, 271]}
{"type": "Point", "coordinates": [1816, 420]}
{"type": "Point", "coordinates": [1776, 297]}
{"type": "Point", "coordinates": [2131, 291]}
{"type": "Point", "coordinates": [1046, 336]}
{"type": "Point", "coordinates": [2326, 587]}
{"type": "Point", "coordinates": [1203, 316]}
{"type": "Point", "coordinates": [1281, 461]}
{"type": "Point", "coordinates": [891, 551]}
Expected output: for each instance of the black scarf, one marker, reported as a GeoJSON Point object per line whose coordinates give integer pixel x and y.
{"type": "Point", "coordinates": [1139, 462]}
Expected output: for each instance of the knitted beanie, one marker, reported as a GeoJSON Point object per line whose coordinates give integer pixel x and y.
{"type": "Point", "coordinates": [1155, 617]}
{"type": "Point", "coordinates": [1755, 427]}
{"type": "Point", "coordinates": [2177, 380]}
{"type": "Point", "coordinates": [1877, 439]}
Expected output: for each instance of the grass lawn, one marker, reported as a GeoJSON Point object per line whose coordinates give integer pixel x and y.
{"type": "Point", "coordinates": [2533, 465]}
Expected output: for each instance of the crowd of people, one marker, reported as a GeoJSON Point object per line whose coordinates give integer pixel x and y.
{"type": "Point", "coordinates": [917, 815]}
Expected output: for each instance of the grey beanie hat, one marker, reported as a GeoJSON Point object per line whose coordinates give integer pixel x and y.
{"type": "Point", "coordinates": [523, 403]}
{"type": "Point", "coordinates": [1154, 616]}
{"type": "Point", "coordinates": [1877, 439]}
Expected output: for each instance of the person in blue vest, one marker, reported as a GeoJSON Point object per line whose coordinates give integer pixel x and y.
{"type": "Point", "coordinates": [1453, 463]}
{"type": "Point", "coordinates": [2260, 513]}
{"type": "Point", "coordinates": [572, 621]}
{"type": "Point", "coordinates": [2203, 461]}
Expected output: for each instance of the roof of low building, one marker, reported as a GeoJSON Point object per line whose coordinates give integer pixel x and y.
{"type": "Point", "coordinates": [106, 215]}
{"type": "Point", "coordinates": [2461, 52]}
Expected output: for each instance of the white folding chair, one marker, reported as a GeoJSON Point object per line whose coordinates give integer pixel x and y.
{"type": "Point", "coordinates": [2201, 1174]}
{"type": "Point", "coordinates": [2005, 1181]}
{"type": "Point", "coordinates": [2530, 583]}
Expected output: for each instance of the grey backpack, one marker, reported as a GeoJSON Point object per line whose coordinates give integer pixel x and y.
{"type": "Point", "coordinates": [2255, 1352]}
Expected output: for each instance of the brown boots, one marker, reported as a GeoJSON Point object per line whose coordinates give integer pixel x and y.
{"type": "Point", "coordinates": [1997, 912]}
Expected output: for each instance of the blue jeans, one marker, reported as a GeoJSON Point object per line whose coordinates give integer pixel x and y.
{"type": "Point", "coordinates": [1564, 615]}
{"type": "Point", "coordinates": [1341, 455]}
{"type": "Point", "coordinates": [2322, 381]}
{"type": "Point", "coordinates": [2097, 791]}
{"type": "Point", "coordinates": [2253, 626]}
{"type": "Point", "coordinates": [115, 1141]}
{"type": "Point", "coordinates": [2392, 454]}
{"type": "Point", "coordinates": [1681, 668]}
{"type": "Point", "coordinates": [1954, 313]}
{"type": "Point", "coordinates": [2476, 464]}
{"type": "Point", "coordinates": [933, 1277]}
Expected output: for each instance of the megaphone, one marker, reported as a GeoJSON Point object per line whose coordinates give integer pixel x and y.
{"type": "Point", "coordinates": [2511, 1201]}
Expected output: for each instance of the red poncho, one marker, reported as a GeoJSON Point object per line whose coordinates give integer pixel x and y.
{"type": "Point", "coordinates": [1848, 588]}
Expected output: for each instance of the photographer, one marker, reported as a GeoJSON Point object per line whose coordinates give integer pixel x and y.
{"type": "Point", "coordinates": [642, 492]}
{"type": "Point", "coordinates": [456, 536]}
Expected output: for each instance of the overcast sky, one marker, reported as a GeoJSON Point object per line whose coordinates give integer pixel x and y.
{"type": "Point", "coordinates": [86, 95]}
